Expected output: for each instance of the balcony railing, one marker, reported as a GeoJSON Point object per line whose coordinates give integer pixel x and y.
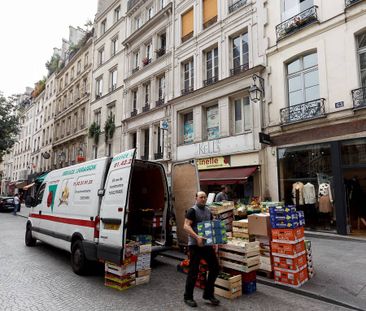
{"type": "Point", "coordinates": [238, 69]}
{"type": "Point", "coordinates": [160, 52]}
{"type": "Point", "coordinates": [351, 2]}
{"type": "Point", "coordinates": [297, 22]}
{"type": "Point", "coordinates": [210, 22]}
{"type": "Point", "coordinates": [160, 102]}
{"type": "Point", "coordinates": [302, 112]}
{"type": "Point", "coordinates": [131, 4]}
{"type": "Point", "coordinates": [235, 6]}
{"type": "Point", "coordinates": [187, 37]}
{"type": "Point", "coordinates": [158, 155]}
{"type": "Point", "coordinates": [146, 108]}
{"type": "Point", "coordinates": [359, 97]}
{"type": "Point", "coordinates": [187, 90]}
{"type": "Point", "coordinates": [211, 80]}
{"type": "Point", "coordinates": [134, 113]}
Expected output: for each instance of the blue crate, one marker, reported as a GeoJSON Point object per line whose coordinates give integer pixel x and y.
{"type": "Point", "coordinates": [249, 287]}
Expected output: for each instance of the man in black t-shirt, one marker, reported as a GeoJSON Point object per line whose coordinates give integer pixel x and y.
{"type": "Point", "coordinates": [198, 250]}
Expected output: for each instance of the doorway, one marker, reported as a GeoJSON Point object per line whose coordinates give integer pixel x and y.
{"type": "Point", "coordinates": [355, 192]}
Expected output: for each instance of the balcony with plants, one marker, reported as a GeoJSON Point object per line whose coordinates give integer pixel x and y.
{"type": "Point", "coordinates": [297, 22]}
{"type": "Point", "coordinates": [302, 112]}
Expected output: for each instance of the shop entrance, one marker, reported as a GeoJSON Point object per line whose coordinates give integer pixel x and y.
{"type": "Point", "coordinates": [355, 192]}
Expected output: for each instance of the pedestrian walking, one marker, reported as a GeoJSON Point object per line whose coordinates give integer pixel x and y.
{"type": "Point", "coordinates": [16, 204]}
{"type": "Point", "coordinates": [198, 250]}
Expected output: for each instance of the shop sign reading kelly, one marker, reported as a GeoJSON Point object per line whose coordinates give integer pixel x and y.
{"type": "Point", "coordinates": [212, 163]}
{"type": "Point", "coordinates": [208, 147]}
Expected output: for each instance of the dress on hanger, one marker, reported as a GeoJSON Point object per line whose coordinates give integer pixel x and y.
{"type": "Point", "coordinates": [325, 198]}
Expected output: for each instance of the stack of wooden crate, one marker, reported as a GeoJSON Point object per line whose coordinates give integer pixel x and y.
{"type": "Point", "coordinates": [228, 286]}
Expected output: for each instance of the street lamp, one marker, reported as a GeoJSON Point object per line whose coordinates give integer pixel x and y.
{"type": "Point", "coordinates": [257, 92]}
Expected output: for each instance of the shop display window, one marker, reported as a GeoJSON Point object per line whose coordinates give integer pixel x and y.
{"type": "Point", "coordinates": [305, 180]}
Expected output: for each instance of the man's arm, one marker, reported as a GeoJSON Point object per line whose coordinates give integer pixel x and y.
{"type": "Point", "coordinates": [188, 228]}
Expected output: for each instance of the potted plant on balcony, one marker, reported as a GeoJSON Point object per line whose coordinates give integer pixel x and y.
{"type": "Point", "coordinates": [109, 128]}
{"type": "Point", "coordinates": [146, 61]}
{"type": "Point", "coordinates": [94, 132]}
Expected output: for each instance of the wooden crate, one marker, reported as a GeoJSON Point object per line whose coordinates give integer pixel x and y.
{"type": "Point", "coordinates": [246, 258]}
{"type": "Point", "coordinates": [230, 289]}
{"type": "Point", "coordinates": [243, 267]}
{"type": "Point", "coordinates": [241, 223]}
{"type": "Point", "coordinates": [240, 246]}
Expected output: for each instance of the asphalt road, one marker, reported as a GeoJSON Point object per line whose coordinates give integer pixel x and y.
{"type": "Point", "coordinates": [41, 278]}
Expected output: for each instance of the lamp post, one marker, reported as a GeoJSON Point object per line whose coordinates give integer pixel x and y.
{"type": "Point", "coordinates": [256, 91]}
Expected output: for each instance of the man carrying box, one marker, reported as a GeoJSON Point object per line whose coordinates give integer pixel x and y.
{"type": "Point", "coordinates": [198, 250]}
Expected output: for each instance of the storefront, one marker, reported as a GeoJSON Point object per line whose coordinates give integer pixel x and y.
{"type": "Point", "coordinates": [242, 181]}
{"type": "Point", "coordinates": [328, 182]}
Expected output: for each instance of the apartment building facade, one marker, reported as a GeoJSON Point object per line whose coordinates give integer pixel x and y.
{"type": "Point", "coordinates": [315, 116]}
{"type": "Point", "coordinates": [73, 87]}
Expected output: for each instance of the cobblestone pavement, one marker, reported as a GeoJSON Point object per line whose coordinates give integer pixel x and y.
{"type": "Point", "coordinates": [41, 278]}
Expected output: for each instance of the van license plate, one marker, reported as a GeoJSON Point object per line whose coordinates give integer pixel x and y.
{"type": "Point", "coordinates": [111, 226]}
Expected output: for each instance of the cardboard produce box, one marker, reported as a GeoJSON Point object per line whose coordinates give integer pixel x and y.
{"type": "Point", "coordinates": [259, 224]}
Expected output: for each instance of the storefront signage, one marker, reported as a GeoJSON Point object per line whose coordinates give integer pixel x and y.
{"type": "Point", "coordinates": [264, 139]}
{"type": "Point", "coordinates": [208, 147]}
{"type": "Point", "coordinates": [213, 163]}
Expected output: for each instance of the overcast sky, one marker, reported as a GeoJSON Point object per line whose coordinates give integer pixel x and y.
{"type": "Point", "coordinates": [29, 30]}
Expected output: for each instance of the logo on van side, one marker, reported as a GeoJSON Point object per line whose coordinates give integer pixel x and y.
{"type": "Point", "coordinates": [51, 196]}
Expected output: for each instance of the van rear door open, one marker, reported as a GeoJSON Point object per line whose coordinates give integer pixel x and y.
{"type": "Point", "coordinates": [113, 208]}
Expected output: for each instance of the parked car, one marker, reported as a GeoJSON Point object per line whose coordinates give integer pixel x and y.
{"type": "Point", "coordinates": [7, 204]}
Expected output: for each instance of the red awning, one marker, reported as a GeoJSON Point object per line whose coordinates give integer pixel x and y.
{"type": "Point", "coordinates": [226, 176]}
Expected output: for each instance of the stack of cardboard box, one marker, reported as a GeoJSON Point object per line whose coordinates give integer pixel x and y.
{"type": "Point", "coordinates": [288, 247]}
{"type": "Point", "coordinates": [143, 270]}
{"type": "Point", "coordinates": [259, 226]}
{"type": "Point", "coordinates": [213, 231]}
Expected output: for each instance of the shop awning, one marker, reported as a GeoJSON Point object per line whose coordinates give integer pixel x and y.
{"type": "Point", "coordinates": [226, 176]}
{"type": "Point", "coordinates": [41, 178]}
{"type": "Point", "coordinates": [28, 186]}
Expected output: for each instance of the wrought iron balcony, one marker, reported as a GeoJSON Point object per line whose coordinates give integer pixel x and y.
{"type": "Point", "coordinates": [302, 112]}
{"type": "Point", "coordinates": [146, 108]}
{"type": "Point", "coordinates": [359, 98]}
{"type": "Point", "coordinates": [187, 37]}
{"type": "Point", "coordinates": [297, 22]}
{"type": "Point", "coordinates": [238, 69]}
{"type": "Point", "coordinates": [158, 155]}
{"type": "Point", "coordinates": [160, 52]}
{"type": "Point", "coordinates": [211, 80]}
{"type": "Point", "coordinates": [134, 113]}
{"type": "Point", "coordinates": [187, 90]}
{"type": "Point", "coordinates": [131, 4]}
{"type": "Point", "coordinates": [351, 2]}
{"type": "Point", "coordinates": [210, 22]}
{"type": "Point", "coordinates": [237, 5]}
{"type": "Point", "coordinates": [160, 102]}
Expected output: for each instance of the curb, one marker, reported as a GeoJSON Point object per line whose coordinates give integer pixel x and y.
{"type": "Point", "coordinates": [306, 293]}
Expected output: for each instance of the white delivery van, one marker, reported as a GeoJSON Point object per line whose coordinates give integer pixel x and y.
{"type": "Point", "coordinates": [91, 209]}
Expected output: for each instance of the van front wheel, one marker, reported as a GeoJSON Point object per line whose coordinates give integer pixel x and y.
{"type": "Point", "coordinates": [79, 262]}
{"type": "Point", "coordinates": [29, 240]}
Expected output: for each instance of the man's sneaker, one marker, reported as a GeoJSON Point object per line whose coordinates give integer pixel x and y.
{"type": "Point", "coordinates": [190, 302]}
{"type": "Point", "coordinates": [213, 300]}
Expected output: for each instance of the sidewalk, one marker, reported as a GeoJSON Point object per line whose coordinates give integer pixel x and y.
{"type": "Point", "coordinates": [24, 211]}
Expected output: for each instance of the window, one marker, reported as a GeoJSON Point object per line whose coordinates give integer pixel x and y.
{"type": "Point", "coordinates": [240, 52]}
{"type": "Point", "coordinates": [114, 46]}
{"type": "Point", "coordinates": [72, 73]}
{"type": "Point", "coordinates": [147, 93]}
{"type": "Point", "coordinates": [361, 46]}
{"type": "Point", "coordinates": [209, 12]}
{"type": "Point", "coordinates": [99, 87]}
{"type": "Point", "coordinates": [103, 27]}
{"type": "Point", "coordinates": [137, 22]}
{"type": "Point", "coordinates": [162, 41]}
{"type": "Point", "coordinates": [82, 118]}
{"type": "Point", "coordinates": [188, 127]}
{"type": "Point", "coordinates": [187, 25]}
{"type": "Point", "coordinates": [117, 13]}
{"type": "Point", "coordinates": [40, 194]}
{"type": "Point", "coordinates": [161, 4]}
{"type": "Point", "coordinates": [78, 67]}
{"type": "Point", "coordinates": [242, 115]}
{"type": "Point", "coordinates": [100, 56]}
{"type": "Point", "coordinates": [303, 80]}
{"type": "Point", "coordinates": [212, 122]}
{"type": "Point", "coordinates": [136, 61]}
{"type": "Point", "coordinates": [66, 79]}
{"type": "Point", "coordinates": [188, 78]}
{"type": "Point", "coordinates": [113, 79]}
{"type": "Point", "coordinates": [111, 111]}
{"type": "Point", "coordinates": [86, 59]}
{"type": "Point", "coordinates": [291, 8]}
{"type": "Point", "coordinates": [97, 117]}
{"type": "Point", "coordinates": [161, 88]}
{"type": "Point", "coordinates": [148, 51]}
{"type": "Point", "coordinates": [212, 66]}
{"type": "Point", "coordinates": [134, 100]}
{"type": "Point", "coordinates": [150, 12]}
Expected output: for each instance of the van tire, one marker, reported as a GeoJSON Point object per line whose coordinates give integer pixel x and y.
{"type": "Point", "coordinates": [29, 240]}
{"type": "Point", "coordinates": [79, 262]}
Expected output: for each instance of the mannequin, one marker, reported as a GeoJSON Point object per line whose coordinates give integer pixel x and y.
{"type": "Point", "coordinates": [297, 193]}
{"type": "Point", "coordinates": [309, 200]}
{"type": "Point", "coordinates": [325, 202]}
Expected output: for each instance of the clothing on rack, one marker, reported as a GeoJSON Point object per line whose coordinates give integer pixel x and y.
{"type": "Point", "coordinates": [298, 193]}
{"type": "Point", "coordinates": [325, 198]}
{"type": "Point", "coordinates": [309, 193]}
